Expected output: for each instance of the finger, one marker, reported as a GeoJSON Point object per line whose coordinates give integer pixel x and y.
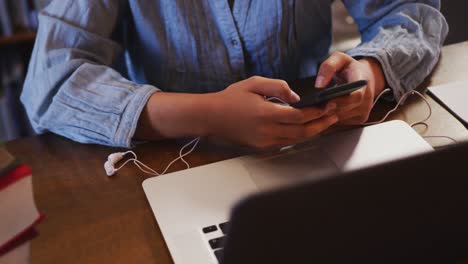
{"type": "Point", "coordinates": [349, 102]}
{"type": "Point", "coordinates": [318, 126]}
{"type": "Point", "coordinates": [357, 116]}
{"type": "Point", "coordinates": [346, 116]}
{"type": "Point", "coordinates": [357, 120]}
{"type": "Point", "coordinates": [272, 88]}
{"type": "Point", "coordinates": [289, 115]}
{"type": "Point", "coordinates": [289, 132]}
{"type": "Point", "coordinates": [335, 63]}
{"type": "Point", "coordinates": [306, 131]}
{"type": "Point", "coordinates": [353, 72]}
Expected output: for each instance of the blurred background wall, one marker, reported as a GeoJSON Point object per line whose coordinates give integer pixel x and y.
{"type": "Point", "coordinates": [18, 22]}
{"type": "Point", "coordinates": [456, 13]}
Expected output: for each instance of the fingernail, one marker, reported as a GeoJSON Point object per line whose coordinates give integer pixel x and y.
{"type": "Point", "coordinates": [295, 96]}
{"type": "Point", "coordinates": [320, 82]}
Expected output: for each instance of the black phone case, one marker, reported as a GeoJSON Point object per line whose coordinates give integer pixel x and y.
{"type": "Point", "coordinates": [310, 95]}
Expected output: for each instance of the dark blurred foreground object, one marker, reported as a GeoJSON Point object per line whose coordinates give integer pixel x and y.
{"type": "Point", "coordinates": [455, 13]}
{"type": "Point", "coordinates": [409, 211]}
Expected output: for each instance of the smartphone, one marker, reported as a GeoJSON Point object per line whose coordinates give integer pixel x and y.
{"type": "Point", "coordinates": [310, 95]}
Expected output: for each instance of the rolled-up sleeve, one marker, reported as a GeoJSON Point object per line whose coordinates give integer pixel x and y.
{"type": "Point", "coordinates": [404, 36]}
{"type": "Point", "coordinates": [71, 88]}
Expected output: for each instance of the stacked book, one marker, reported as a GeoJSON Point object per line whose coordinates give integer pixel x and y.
{"type": "Point", "coordinates": [19, 214]}
{"type": "Point", "coordinates": [19, 15]}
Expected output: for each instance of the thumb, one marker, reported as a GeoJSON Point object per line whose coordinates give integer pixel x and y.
{"type": "Point", "coordinates": [334, 64]}
{"type": "Point", "coordinates": [272, 88]}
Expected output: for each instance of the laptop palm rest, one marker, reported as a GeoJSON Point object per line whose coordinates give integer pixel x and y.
{"type": "Point", "coordinates": [290, 167]}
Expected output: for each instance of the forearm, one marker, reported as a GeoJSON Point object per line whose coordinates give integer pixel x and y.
{"type": "Point", "coordinates": [175, 115]}
{"type": "Point", "coordinates": [77, 106]}
{"type": "Point", "coordinates": [71, 88]}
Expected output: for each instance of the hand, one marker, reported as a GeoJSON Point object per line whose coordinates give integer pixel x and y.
{"type": "Point", "coordinates": [353, 109]}
{"type": "Point", "coordinates": [241, 114]}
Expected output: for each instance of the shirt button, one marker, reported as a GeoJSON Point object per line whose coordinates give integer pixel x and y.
{"type": "Point", "coordinates": [234, 42]}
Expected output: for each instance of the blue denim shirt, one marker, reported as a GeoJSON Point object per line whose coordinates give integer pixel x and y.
{"type": "Point", "coordinates": [96, 62]}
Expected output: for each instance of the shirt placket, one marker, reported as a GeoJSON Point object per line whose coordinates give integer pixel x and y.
{"type": "Point", "coordinates": [231, 35]}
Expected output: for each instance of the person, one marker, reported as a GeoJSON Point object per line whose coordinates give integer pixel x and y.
{"type": "Point", "coordinates": [114, 71]}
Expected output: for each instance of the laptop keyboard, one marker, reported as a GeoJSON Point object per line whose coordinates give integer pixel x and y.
{"type": "Point", "coordinates": [217, 244]}
{"type": "Point", "coordinates": [209, 229]}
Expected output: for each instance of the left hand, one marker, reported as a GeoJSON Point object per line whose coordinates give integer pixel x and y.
{"type": "Point", "coordinates": [353, 109]}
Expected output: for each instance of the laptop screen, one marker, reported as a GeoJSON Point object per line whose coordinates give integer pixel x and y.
{"type": "Point", "coordinates": [411, 209]}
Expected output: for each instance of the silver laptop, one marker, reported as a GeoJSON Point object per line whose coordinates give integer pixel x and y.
{"type": "Point", "coordinates": [191, 206]}
{"type": "Point", "coordinates": [453, 96]}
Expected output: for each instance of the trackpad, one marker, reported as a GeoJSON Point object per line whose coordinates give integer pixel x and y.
{"type": "Point", "coordinates": [292, 167]}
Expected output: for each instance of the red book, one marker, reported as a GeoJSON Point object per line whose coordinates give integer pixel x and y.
{"type": "Point", "coordinates": [18, 242]}
{"type": "Point", "coordinates": [18, 211]}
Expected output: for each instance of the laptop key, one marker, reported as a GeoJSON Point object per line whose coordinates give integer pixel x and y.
{"type": "Point", "coordinates": [219, 254]}
{"type": "Point", "coordinates": [216, 242]}
{"type": "Point", "coordinates": [224, 227]}
{"type": "Point", "coordinates": [209, 229]}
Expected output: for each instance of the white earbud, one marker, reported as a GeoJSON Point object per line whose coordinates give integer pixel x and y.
{"type": "Point", "coordinates": [109, 167]}
{"type": "Point", "coordinates": [115, 157]}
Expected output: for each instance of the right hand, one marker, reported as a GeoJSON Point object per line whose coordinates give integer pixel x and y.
{"type": "Point", "coordinates": [240, 114]}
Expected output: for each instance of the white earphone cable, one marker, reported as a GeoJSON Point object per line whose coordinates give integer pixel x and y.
{"type": "Point", "coordinates": [127, 161]}
{"type": "Point", "coordinates": [400, 102]}
{"type": "Point", "coordinates": [109, 165]}
{"type": "Point", "coordinates": [428, 106]}
{"type": "Point", "coordinates": [402, 99]}
{"type": "Point", "coordinates": [446, 137]}
{"type": "Point", "coordinates": [146, 169]}
{"type": "Point", "coordinates": [271, 99]}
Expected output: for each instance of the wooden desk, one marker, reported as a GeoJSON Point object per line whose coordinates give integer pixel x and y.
{"type": "Point", "coordinates": [91, 218]}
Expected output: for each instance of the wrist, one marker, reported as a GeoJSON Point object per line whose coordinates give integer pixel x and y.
{"type": "Point", "coordinates": [206, 114]}
{"type": "Point", "coordinates": [174, 115]}
{"type": "Point", "coordinates": [377, 73]}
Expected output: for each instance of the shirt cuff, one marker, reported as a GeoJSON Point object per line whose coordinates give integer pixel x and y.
{"type": "Point", "coordinates": [382, 57]}
{"type": "Point", "coordinates": [131, 115]}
